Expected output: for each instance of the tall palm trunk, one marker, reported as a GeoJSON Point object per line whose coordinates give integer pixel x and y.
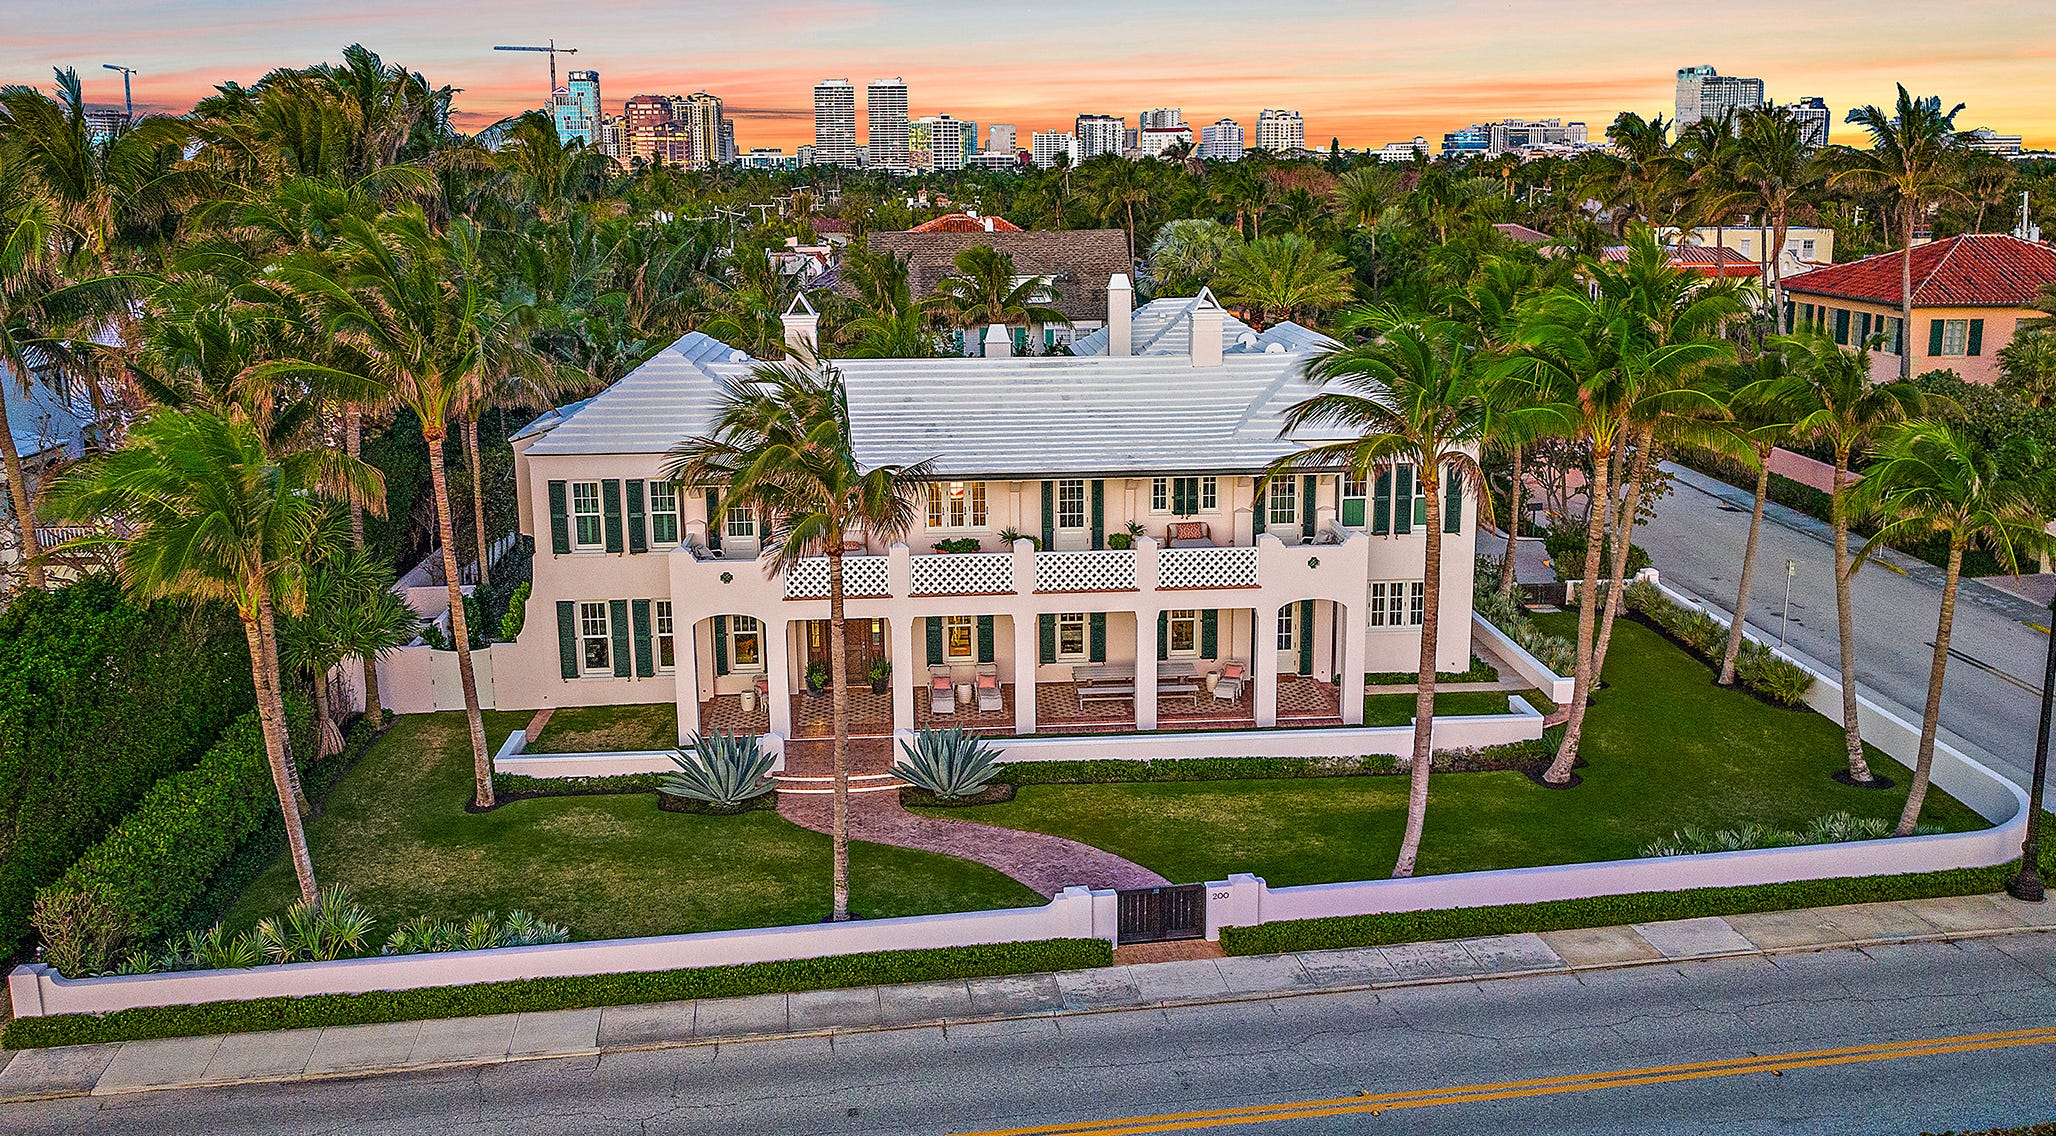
{"type": "Point", "coordinates": [1623, 536]}
{"type": "Point", "coordinates": [839, 720]}
{"type": "Point", "coordinates": [353, 444]}
{"type": "Point", "coordinates": [471, 455]}
{"type": "Point", "coordinates": [1734, 648]}
{"type": "Point", "coordinates": [1597, 497]}
{"type": "Point", "coordinates": [1931, 715]}
{"type": "Point", "coordinates": [1517, 499]}
{"type": "Point", "coordinates": [271, 723]}
{"type": "Point", "coordinates": [1906, 294]}
{"type": "Point", "coordinates": [1845, 618]}
{"type": "Point", "coordinates": [460, 627]}
{"type": "Point", "coordinates": [1780, 227]}
{"type": "Point", "coordinates": [267, 639]}
{"type": "Point", "coordinates": [1424, 696]}
{"type": "Point", "coordinates": [24, 509]}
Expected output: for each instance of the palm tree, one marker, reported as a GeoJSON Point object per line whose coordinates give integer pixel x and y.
{"type": "Point", "coordinates": [2027, 367]}
{"type": "Point", "coordinates": [1640, 180]}
{"type": "Point", "coordinates": [1187, 253]}
{"type": "Point", "coordinates": [781, 445]}
{"type": "Point", "coordinates": [1415, 392]}
{"type": "Point", "coordinates": [32, 332]}
{"type": "Point", "coordinates": [1835, 402]}
{"type": "Point", "coordinates": [213, 513]}
{"type": "Point", "coordinates": [1756, 422]}
{"type": "Point", "coordinates": [986, 289]}
{"type": "Point", "coordinates": [1489, 306]}
{"type": "Point", "coordinates": [1283, 277]}
{"type": "Point", "coordinates": [1914, 160]}
{"type": "Point", "coordinates": [1935, 479]}
{"type": "Point", "coordinates": [1773, 165]}
{"type": "Point", "coordinates": [1117, 186]}
{"type": "Point", "coordinates": [351, 610]}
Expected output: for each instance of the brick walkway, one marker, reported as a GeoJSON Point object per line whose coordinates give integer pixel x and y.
{"type": "Point", "coordinates": [1046, 864]}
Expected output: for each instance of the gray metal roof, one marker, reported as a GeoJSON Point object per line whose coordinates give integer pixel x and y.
{"type": "Point", "coordinates": [971, 416]}
{"type": "Point", "coordinates": [1164, 327]}
{"type": "Point", "coordinates": [40, 419]}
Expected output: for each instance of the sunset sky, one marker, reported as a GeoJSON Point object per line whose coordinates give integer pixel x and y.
{"type": "Point", "coordinates": [1369, 72]}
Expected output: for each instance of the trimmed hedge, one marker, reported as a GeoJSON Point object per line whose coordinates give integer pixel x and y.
{"type": "Point", "coordinates": [1609, 910]}
{"type": "Point", "coordinates": [99, 698]}
{"type": "Point", "coordinates": [1480, 671]}
{"type": "Point", "coordinates": [1511, 755]}
{"type": "Point", "coordinates": [519, 786]}
{"type": "Point", "coordinates": [1757, 669]}
{"type": "Point", "coordinates": [538, 994]}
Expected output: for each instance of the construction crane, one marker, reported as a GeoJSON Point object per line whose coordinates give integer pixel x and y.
{"type": "Point", "coordinates": [127, 96]}
{"type": "Point", "coordinates": [554, 51]}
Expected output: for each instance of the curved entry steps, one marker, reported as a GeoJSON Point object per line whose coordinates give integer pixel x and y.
{"type": "Point", "coordinates": [1046, 864]}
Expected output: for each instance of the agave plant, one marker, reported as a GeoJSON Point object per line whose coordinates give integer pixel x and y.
{"type": "Point", "coordinates": [520, 929]}
{"type": "Point", "coordinates": [316, 933]}
{"type": "Point", "coordinates": [721, 769]}
{"type": "Point", "coordinates": [948, 763]}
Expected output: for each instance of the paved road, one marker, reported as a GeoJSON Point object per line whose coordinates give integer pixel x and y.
{"type": "Point", "coordinates": [1326, 1047]}
{"type": "Point", "coordinates": [1991, 699]}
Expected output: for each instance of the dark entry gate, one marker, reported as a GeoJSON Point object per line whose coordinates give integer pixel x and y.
{"type": "Point", "coordinates": [1153, 915]}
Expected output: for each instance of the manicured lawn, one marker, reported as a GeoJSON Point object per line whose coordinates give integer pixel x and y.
{"type": "Point", "coordinates": [1398, 709]}
{"type": "Point", "coordinates": [1666, 748]}
{"type": "Point", "coordinates": [609, 729]}
{"type": "Point", "coordinates": [395, 831]}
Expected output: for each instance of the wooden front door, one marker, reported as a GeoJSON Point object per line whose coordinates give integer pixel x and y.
{"type": "Point", "coordinates": [866, 641]}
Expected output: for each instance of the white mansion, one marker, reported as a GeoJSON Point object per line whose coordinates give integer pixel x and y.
{"type": "Point", "coordinates": [1141, 582]}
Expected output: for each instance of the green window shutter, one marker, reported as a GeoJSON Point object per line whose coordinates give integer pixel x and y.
{"type": "Point", "coordinates": [1402, 499]}
{"type": "Point", "coordinates": [1842, 325]}
{"type": "Point", "coordinates": [1049, 514]}
{"type": "Point", "coordinates": [1353, 512]}
{"type": "Point", "coordinates": [720, 644]}
{"type": "Point", "coordinates": [934, 641]}
{"type": "Point", "coordinates": [560, 520]}
{"type": "Point", "coordinates": [1184, 496]}
{"type": "Point", "coordinates": [1452, 503]}
{"type": "Point", "coordinates": [645, 659]}
{"type": "Point", "coordinates": [610, 512]}
{"type": "Point", "coordinates": [1306, 637]}
{"type": "Point", "coordinates": [1020, 341]}
{"type": "Point", "coordinates": [1099, 514]}
{"type": "Point", "coordinates": [985, 654]}
{"type": "Point", "coordinates": [1934, 337]}
{"type": "Point", "coordinates": [1163, 635]}
{"type": "Point", "coordinates": [1046, 629]}
{"type": "Point", "coordinates": [1096, 636]}
{"type": "Point", "coordinates": [713, 521]}
{"type": "Point", "coordinates": [1381, 503]}
{"type": "Point", "coordinates": [1977, 338]}
{"type": "Point", "coordinates": [617, 626]}
{"type": "Point", "coordinates": [1862, 327]}
{"type": "Point", "coordinates": [638, 524]}
{"type": "Point", "coordinates": [567, 635]}
{"type": "Point", "coordinates": [1307, 519]}
{"type": "Point", "coordinates": [1209, 633]}
{"type": "Point", "coordinates": [1049, 337]}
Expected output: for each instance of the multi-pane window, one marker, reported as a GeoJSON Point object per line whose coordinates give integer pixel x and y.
{"type": "Point", "coordinates": [664, 513]}
{"type": "Point", "coordinates": [1288, 631]}
{"type": "Point", "coordinates": [1955, 337]}
{"type": "Point", "coordinates": [746, 644]}
{"type": "Point", "coordinates": [585, 515]}
{"type": "Point", "coordinates": [1355, 491]}
{"type": "Point", "coordinates": [1072, 640]}
{"type": "Point", "coordinates": [1071, 504]}
{"type": "Point", "coordinates": [1284, 502]}
{"type": "Point", "coordinates": [960, 637]}
{"type": "Point", "coordinates": [1182, 628]}
{"type": "Point", "coordinates": [664, 637]}
{"type": "Point", "coordinates": [956, 504]}
{"type": "Point", "coordinates": [741, 524]}
{"type": "Point", "coordinates": [1184, 496]}
{"type": "Point", "coordinates": [595, 644]}
{"type": "Point", "coordinates": [1397, 603]}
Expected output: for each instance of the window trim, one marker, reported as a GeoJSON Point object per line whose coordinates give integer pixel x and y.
{"type": "Point", "coordinates": [663, 634]}
{"type": "Point", "coordinates": [739, 524]}
{"type": "Point", "coordinates": [1172, 618]}
{"type": "Point", "coordinates": [598, 517]}
{"type": "Point", "coordinates": [587, 637]}
{"type": "Point", "coordinates": [1959, 330]}
{"type": "Point", "coordinates": [1083, 623]}
{"type": "Point", "coordinates": [1288, 488]}
{"type": "Point", "coordinates": [657, 489]}
{"type": "Point", "coordinates": [943, 509]}
{"type": "Point", "coordinates": [951, 625]}
{"type": "Point", "coordinates": [1395, 605]}
{"type": "Point", "coordinates": [1206, 494]}
{"type": "Point", "coordinates": [736, 634]}
{"type": "Point", "coordinates": [1064, 488]}
{"type": "Point", "coordinates": [1288, 631]}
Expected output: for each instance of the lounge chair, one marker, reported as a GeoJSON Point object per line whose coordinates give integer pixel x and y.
{"type": "Point", "coordinates": [1229, 686]}
{"type": "Point", "coordinates": [942, 693]}
{"type": "Point", "coordinates": [1189, 534]}
{"type": "Point", "coordinates": [989, 696]}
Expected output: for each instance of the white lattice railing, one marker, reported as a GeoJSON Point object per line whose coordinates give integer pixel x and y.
{"type": "Point", "coordinates": [964, 574]}
{"type": "Point", "coordinates": [1207, 568]}
{"type": "Point", "coordinates": [861, 576]}
{"type": "Point", "coordinates": [1102, 570]}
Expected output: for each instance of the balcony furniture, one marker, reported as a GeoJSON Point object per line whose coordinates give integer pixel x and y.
{"type": "Point", "coordinates": [747, 699]}
{"type": "Point", "coordinates": [942, 693]}
{"type": "Point", "coordinates": [699, 550]}
{"type": "Point", "coordinates": [1228, 687]}
{"type": "Point", "coordinates": [1189, 534]}
{"type": "Point", "coordinates": [989, 697]}
{"type": "Point", "coordinates": [1327, 535]}
{"type": "Point", "coordinates": [963, 694]}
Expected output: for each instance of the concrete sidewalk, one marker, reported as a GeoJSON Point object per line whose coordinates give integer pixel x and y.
{"type": "Point", "coordinates": [306, 1054]}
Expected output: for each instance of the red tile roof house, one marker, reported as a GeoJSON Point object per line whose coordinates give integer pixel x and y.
{"type": "Point", "coordinates": [1970, 294]}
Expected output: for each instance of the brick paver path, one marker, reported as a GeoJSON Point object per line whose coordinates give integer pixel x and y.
{"type": "Point", "coordinates": [1047, 864]}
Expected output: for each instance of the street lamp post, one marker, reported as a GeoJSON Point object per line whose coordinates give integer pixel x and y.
{"type": "Point", "coordinates": [2027, 883]}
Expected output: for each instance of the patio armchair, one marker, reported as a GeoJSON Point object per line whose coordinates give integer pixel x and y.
{"type": "Point", "coordinates": [989, 696]}
{"type": "Point", "coordinates": [1234, 675]}
{"type": "Point", "coordinates": [1189, 534]}
{"type": "Point", "coordinates": [942, 692]}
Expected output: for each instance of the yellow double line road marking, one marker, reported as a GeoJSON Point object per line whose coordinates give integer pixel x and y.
{"type": "Point", "coordinates": [1547, 1086]}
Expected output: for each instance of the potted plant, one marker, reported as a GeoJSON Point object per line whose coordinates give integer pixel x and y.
{"type": "Point", "coordinates": [881, 675]}
{"type": "Point", "coordinates": [1126, 537]}
{"type": "Point", "coordinates": [1009, 535]}
{"type": "Point", "coordinates": [957, 544]}
{"type": "Point", "coordinates": [817, 676]}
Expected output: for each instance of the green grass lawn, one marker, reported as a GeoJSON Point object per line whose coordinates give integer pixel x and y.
{"type": "Point", "coordinates": [1666, 748]}
{"type": "Point", "coordinates": [609, 729]}
{"type": "Point", "coordinates": [1398, 709]}
{"type": "Point", "coordinates": [395, 831]}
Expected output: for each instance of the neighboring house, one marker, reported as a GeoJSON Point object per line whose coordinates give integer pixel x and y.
{"type": "Point", "coordinates": [1806, 247]}
{"type": "Point", "coordinates": [1078, 262]}
{"type": "Point", "coordinates": [1970, 294]}
{"type": "Point", "coordinates": [46, 430]}
{"type": "Point", "coordinates": [1711, 261]}
{"type": "Point", "coordinates": [640, 596]}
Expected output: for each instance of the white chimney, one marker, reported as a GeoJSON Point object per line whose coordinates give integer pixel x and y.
{"type": "Point", "coordinates": [999, 344]}
{"type": "Point", "coordinates": [1120, 313]}
{"type": "Point", "coordinates": [988, 224]}
{"type": "Point", "coordinates": [802, 327]}
{"type": "Point", "coordinates": [1206, 331]}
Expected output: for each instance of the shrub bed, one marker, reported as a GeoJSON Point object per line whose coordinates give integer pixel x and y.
{"type": "Point", "coordinates": [538, 994]}
{"type": "Point", "coordinates": [517, 787]}
{"type": "Point", "coordinates": [1560, 655]}
{"type": "Point", "coordinates": [1757, 669]}
{"type": "Point", "coordinates": [1487, 759]}
{"type": "Point", "coordinates": [915, 797]}
{"type": "Point", "coordinates": [678, 803]}
{"type": "Point", "coordinates": [1480, 671]}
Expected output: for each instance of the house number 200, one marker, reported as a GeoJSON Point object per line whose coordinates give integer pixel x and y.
{"type": "Point", "coordinates": [1221, 895]}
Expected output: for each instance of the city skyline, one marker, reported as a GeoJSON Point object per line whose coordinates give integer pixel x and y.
{"type": "Point", "coordinates": [1368, 78]}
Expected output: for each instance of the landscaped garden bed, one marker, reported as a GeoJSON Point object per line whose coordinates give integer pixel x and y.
{"type": "Point", "coordinates": [1398, 709]}
{"type": "Point", "coordinates": [608, 729]}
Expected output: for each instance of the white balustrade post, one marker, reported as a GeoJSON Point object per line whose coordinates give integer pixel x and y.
{"type": "Point", "coordinates": [1027, 654]}
{"type": "Point", "coordinates": [900, 629]}
{"type": "Point", "coordinates": [1265, 664]}
{"type": "Point", "coordinates": [1349, 684]}
{"type": "Point", "coordinates": [778, 669]}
